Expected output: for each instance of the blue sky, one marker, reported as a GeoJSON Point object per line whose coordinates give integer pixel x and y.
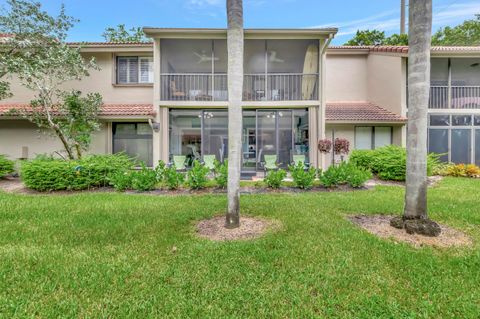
{"type": "Point", "coordinates": [347, 15]}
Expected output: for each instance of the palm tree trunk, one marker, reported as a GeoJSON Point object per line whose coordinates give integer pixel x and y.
{"type": "Point", "coordinates": [420, 32]}
{"type": "Point", "coordinates": [235, 89]}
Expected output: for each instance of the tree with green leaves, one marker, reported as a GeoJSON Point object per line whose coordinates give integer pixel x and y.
{"type": "Point", "coordinates": [367, 37]}
{"type": "Point", "coordinates": [467, 33]}
{"type": "Point", "coordinates": [36, 53]}
{"type": "Point", "coordinates": [376, 37]}
{"type": "Point", "coordinates": [121, 34]}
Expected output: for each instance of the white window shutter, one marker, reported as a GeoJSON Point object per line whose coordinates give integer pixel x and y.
{"type": "Point", "coordinates": [133, 70]}
{"type": "Point", "coordinates": [146, 70]}
{"type": "Point", "coordinates": [122, 70]}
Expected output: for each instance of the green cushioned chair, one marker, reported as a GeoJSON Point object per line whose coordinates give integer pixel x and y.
{"type": "Point", "coordinates": [270, 162]}
{"type": "Point", "coordinates": [179, 162]}
{"type": "Point", "coordinates": [209, 161]}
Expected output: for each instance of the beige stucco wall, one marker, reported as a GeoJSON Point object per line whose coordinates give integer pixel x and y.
{"type": "Point", "coordinates": [100, 81]}
{"type": "Point", "coordinates": [386, 80]}
{"type": "Point", "coordinates": [346, 77]}
{"type": "Point", "coordinates": [16, 134]}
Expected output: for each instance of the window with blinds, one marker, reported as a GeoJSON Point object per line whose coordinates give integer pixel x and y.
{"type": "Point", "coordinates": [371, 137]}
{"type": "Point", "coordinates": [134, 70]}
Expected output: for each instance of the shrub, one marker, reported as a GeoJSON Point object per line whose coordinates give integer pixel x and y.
{"type": "Point", "coordinates": [160, 171]}
{"type": "Point", "coordinates": [389, 162]}
{"type": "Point", "coordinates": [6, 166]}
{"type": "Point", "coordinates": [302, 178]}
{"type": "Point", "coordinates": [48, 174]}
{"type": "Point", "coordinates": [121, 180]}
{"type": "Point", "coordinates": [172, 178]}
{"type": "Point", "coordinates": [362, 158]}
{"type": "Point", "coordinates": [221, 174]}
{"type": "Point", "coordinates": [274, 178]}
{"type": "Point", "coordinates": [462, 170]}
{"type": "Point", "coordinates": [345, 173]}
{"type": "Point", "coordinates": [197, 176]}
{"type": "Point", "coordinates": [331, 177]}
{"type": "Point", "coordinates": [442, 169]}
{"type": "Point", "coordinates": [144, 179]}
{"type": "Point", "coordinates": [357, 176]}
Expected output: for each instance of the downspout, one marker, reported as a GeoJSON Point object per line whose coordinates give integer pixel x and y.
{"type": "Point", "coordinates": [321, 117]}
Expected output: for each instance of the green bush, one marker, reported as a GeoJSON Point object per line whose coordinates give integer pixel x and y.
{"type": "Point", "coordinates": [197, 176]}
{"type": "Point", "coordinates": [121, 180]}
{"type": "Point", "coordinates": [144, 179]}
{"type": "Point", "coordinates": [345, 173]}
{"type": "Point", "coordinates": [48, 174]}
{"type": "Point", "coordinates": [388, 162]}
{"type": "Point", "coordinates": [160, 171]}
{"type": "Point", "coordinates": [362, 158]}
{"type": "Point", "coordinates": [6, 166]}
{"type": "Point", "coordinates": [274, 178]}
{"type": "Point", "coordinates": [302, 178]}
{"type": "Point", "coordinates": [221, 173]}
{"type": "Point", "coordinates": [172, 178]}
{"type": "Point", "coordinates": [356, 176]}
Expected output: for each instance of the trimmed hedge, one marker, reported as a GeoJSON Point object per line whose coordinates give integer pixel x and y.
{"type": "Point", "coordinates": [48, 174]}
{"type": "Point", "coordinates": [388, 162]}
{"type": "Point", "coordinates": [6, 166]}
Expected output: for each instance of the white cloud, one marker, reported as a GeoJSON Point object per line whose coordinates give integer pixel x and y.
{"type": "Point", "coordinates": [389, 21]}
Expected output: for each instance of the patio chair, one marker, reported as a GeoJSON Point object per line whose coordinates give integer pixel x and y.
{"type": "Point", "coordinates": [175, 93]}
{"type": "Point", "coordinates": [270, 162]}
{"type": "Point", "coordinates": [209, 161]}
{"type": "Point", "coordinates": [300, 158]}
{"type": "Point", "coordinates": [179, 162]}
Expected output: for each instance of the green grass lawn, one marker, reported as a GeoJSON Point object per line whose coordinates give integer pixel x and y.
{"type": "Point", "coordinates": [110, 255]}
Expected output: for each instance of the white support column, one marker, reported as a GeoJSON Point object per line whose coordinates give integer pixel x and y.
{"type": "Point", "coordinates": [312, 137]}
{"type": "Point", "coordinates": [322, 101]}
{"type": "Point", "coordinates": [156, 97]}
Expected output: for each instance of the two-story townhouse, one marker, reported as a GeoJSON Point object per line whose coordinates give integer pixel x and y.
{"type": "Point", "coordinates": [168, 99]}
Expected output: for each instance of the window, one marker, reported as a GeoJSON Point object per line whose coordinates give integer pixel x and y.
{"type": "Point", "coordinates": [455, 137]}
{"type": "Point", "coordinates": [371, 137]}
{"type": "Point", "coordinates": [134, 139]}
{"type": "Point", "coordinates": [134, 70]}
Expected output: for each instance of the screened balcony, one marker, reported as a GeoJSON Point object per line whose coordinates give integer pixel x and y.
{"type": "Point", "coordinates": [280, 70]}
{"type": "Point", "coordinates": [455, 83]}
{"type": "Point", "coordinates": [193, 70]}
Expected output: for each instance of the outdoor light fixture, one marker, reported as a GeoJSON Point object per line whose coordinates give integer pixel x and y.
{"type": "Point", "coordinates": [154, 125]}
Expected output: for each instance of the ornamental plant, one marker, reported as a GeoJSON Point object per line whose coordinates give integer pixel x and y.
{"type": "Point", "coordinates": [341, 146]}
{"type": "Point", "coordinates": [197, 176]}
{"type": "Point", "coordinates": [144, 179]}
{"type": "Point", "coordinates": [6, 166]}
{"type": "Point", "coordinates": [274, 178]}
{"type": "Point", "coordinates": [302, 178]}
{"type": "Point", "coordinates": [324, 146]}
{"type": "Point", "coordinates": [221, 173]}
{"type": "Point", "coordinates": [172, 178]}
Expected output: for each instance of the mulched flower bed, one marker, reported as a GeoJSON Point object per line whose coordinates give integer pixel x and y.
{"type": "Point", "coordinates": [379, 225]}
{"type": "Point", "coordinates": [250, 228]}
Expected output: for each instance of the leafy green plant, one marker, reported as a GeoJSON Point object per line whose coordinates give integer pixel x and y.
{"type": "Point", "coordinates": [356, 176]}
{"type": "Point", "coordinates": [160, 171]}
{"type": "Point", "coordinates": [274, 178]}
{"type": "Point", "coordinates": [388, 162]}
{"type": "Point", "coordinates": [144, 179]}
{"type": "Point", "coordinates": [331, 177]}
{"type": "Point", "coordinates": [197, 176]}
{"type": "Point", "coordinates": [6, 166]}
{"type": "Point", "coordinates": [302, 178]}
{"type": "Point", "coordinates": [172, 178]}
{"type": "Point", "coordinates": [221, 173]}
{"type": "Point", "coordinates": [121, 180]}
{"type": "Point", "coordinates": [48, 174]}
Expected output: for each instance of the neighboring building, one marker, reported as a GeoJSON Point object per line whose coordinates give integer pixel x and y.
{"type": "Point", "coordinates": [296, 91]}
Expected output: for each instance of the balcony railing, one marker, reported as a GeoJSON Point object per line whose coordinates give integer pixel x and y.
{"type": "Point", "coordinates": [193, 87]}
{"type": "Point", "coordinates": [454, 97]}
{"type": "Point", "coordinates": [280, 87]}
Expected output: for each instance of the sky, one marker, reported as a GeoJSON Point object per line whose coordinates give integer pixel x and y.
{"type": "Point", "coordinates": [347, 15]}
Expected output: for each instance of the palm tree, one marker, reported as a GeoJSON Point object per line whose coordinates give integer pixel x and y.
{"type": "Point", "coordinates": [235, 89]}
{"type": "Point", "coordinates": [415, 218]}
